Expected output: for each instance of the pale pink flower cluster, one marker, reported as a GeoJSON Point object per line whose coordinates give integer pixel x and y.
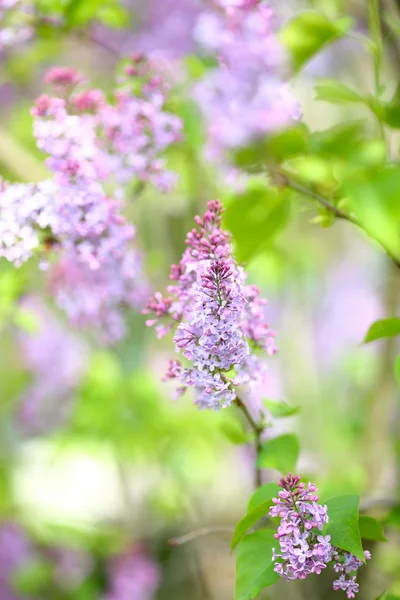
{"type": "Point", "coordinates": [219, 321]}
{"type": "Point", "coordinates": [244, 97]}
{"type": "Point", "coordinates": [303, 549]}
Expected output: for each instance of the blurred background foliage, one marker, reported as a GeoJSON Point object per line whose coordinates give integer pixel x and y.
{"type": "Point", "coordinates": [131, 466]}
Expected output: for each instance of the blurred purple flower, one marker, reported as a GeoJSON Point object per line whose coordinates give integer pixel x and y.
{"type": "Point", "coordinates": [48, 401]}
{"type": "Point", "coordinates": [15, 552]}
{"type": "Point", "coordinates": [244, 97]}
{"type": "Point", "coordinates": [133, 576]}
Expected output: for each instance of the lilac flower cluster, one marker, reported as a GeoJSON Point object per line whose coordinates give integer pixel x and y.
{"type": "Point", "coordinates": [244, 97]}
{"type": "Point", "coordinates": [219, 320]}
{"type": "Point", "coordinates": [14, 28]}
{"type": "Point", "coordinates": [90, 143]}
{"type": "Point", "coordinates": [47, 402]}
{"type": "Point", "coordinates": [15, 552]}
{"type": "Point", "coordinates": [303, 550]}
{"type": "Point", "coordinates": [133, 576]}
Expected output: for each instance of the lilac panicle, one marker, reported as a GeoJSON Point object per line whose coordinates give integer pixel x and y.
{"type": "Point", "coordinates": [303, 548]}
{"type": "Point", "coordinates": [92, 145]}
{"type": "Point", "coordinates": [217, 319]}
{"type": "Point", "coordinates": [244, 97]}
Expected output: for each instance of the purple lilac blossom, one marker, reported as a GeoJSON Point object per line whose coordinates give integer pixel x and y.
{"type": "Point", "coordinates": [165, 27]}
{"type": "Point", "coordinates": [244, 96]}
{"type": "Point", "coordinates": [303, 548]}
{"type": "Point", "coordinates": [133, 576]}
{"type": "Point", "coordinates": [47, 402]}
{"type": "Point", "coordinates": [15, 553]}
{"type": "Point", "coordinates": [219, 321]}
{"type": "Point", "coordinates": [70, 566]}
{"type": "Point", "coordinates": [91, 144]}
{"type": "Point", "coordinates": [14, 29]}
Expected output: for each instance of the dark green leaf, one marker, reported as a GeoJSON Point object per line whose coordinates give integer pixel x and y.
{"type": "Point", "coordinates": [330, 90]}
{"type": "Point", "coordinates": [280, 453]}
{"type": "Point", "coordinates": [343, 524]}
{"type": "Point", "coordinates": [262, 494]}
{"type": "Point", "coordinates": [254, 566]}
{"type": "Point", "coordinates": [249, 521]}
{"type": "Point", "coordinates": [383, 328]}
{"type": "Point", "coordinates": [280, 408]}
{"type": "Point", "coordinates": [371, 529]}
{"type": "Point", "coordinates": [306, 34]}
{"type": "Point", "coordinates": [255, 218]}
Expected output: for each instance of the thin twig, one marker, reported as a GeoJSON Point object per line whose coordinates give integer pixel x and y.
{"type": "Point", "coordinates": [193, 535]}
{"type": "Point", "coordinates": [258, 429]}
{"type": "Point", "coordinates": [290, 182]}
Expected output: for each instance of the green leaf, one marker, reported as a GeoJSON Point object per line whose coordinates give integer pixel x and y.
{"type": "Point", "coordinates": [343, 524]}
{"type": "Point", "coordinates": [249, 521]}
{"type": "Point", "coordinates": [256, 217]}
{"type": "Point", "coordinates": [235, 431]}
{"type": "Point", "coordinates": [32, 577]}
{"type": "Point", "coordinates": [330, 90]}
{"type": "Point", "coordinates": [306, 34]}
{"type": "Point", "coordinates": [280, 408]}
{"type": "Point", "coordinates": [274, 148]}
{"type": "Point", "coordinates": [280, 453]}
{"type": "Point", "coordinates": [375, 202]}
{"type": "Point", "coordinates": [254, 566]}
{"type": "Point", "coordinates": [371, 529]}
{"type": "Point", "coordinates": [262, 494]}
{"type": "Point", "coordinates": [382, 329]}
{"type": "Point", "coordinates": [388, 596]}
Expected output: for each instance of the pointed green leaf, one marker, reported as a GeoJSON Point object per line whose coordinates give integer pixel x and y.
{"type": "Point", "coordinates": [262, 494]}
{"type": "Point", "coordinates": [371, 529]}
{"type": "Point", "coordinates": [306, 34]}
{"type": "Point", "coordinates": [330, 90]}
{"type": "Point", "coordinates": [249, 521]}
{"type": "Point", "coordinates": [254, 566]}
{"type": "Point", "coordinates": [280, 453]}
{"type": "Point", "coordinates": [383, 328]}
{"type": "Point", "coordinates": [343, 524]}
{"type": "Point", "coordinates": [280, 408]}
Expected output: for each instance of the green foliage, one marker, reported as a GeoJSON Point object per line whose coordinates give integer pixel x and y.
{"type": "Point", "coordinates": [306, 34]}
{"type": "Point", "coordinates": [32, 577]}
{"type": "Point", "coordinates": [256, 217]}
{"type": "Point", "coordinates": [254, 566]}
{"type": "Point", "coordinates": [79, 13]}
{"type": "Point", "coordinates": [234, 430]}
{"type": "Point", "coordinates": [343, 524]}
{"type": "Point", "coordinates": [262, 494]}
{"type": "Point", "coordinates": [375, 202]}
{"type": "Point", "coordinates": [330, 90]}
{"type": "Point", "coordinates": [382, 329]}
{"type": "Point", "coordinates": [280, 408]}
{"type": "Point", "coordinates": [273, 148]}
{"type": "Point", "coordinates": [388, 596]}
{"type": "Point", "coordinates": [280, 453]}
{"type": "Point", "coordinates": [249, 521]}
{"type": "Point", "coordinates": [397, 369]}
{"type": "Point", "coordinates": [371, 529]}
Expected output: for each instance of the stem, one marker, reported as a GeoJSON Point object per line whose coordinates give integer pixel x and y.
{"type": "Point", "coordinates": [258, 429]}
{"type": "Point", "coordinates": [290, 181]}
